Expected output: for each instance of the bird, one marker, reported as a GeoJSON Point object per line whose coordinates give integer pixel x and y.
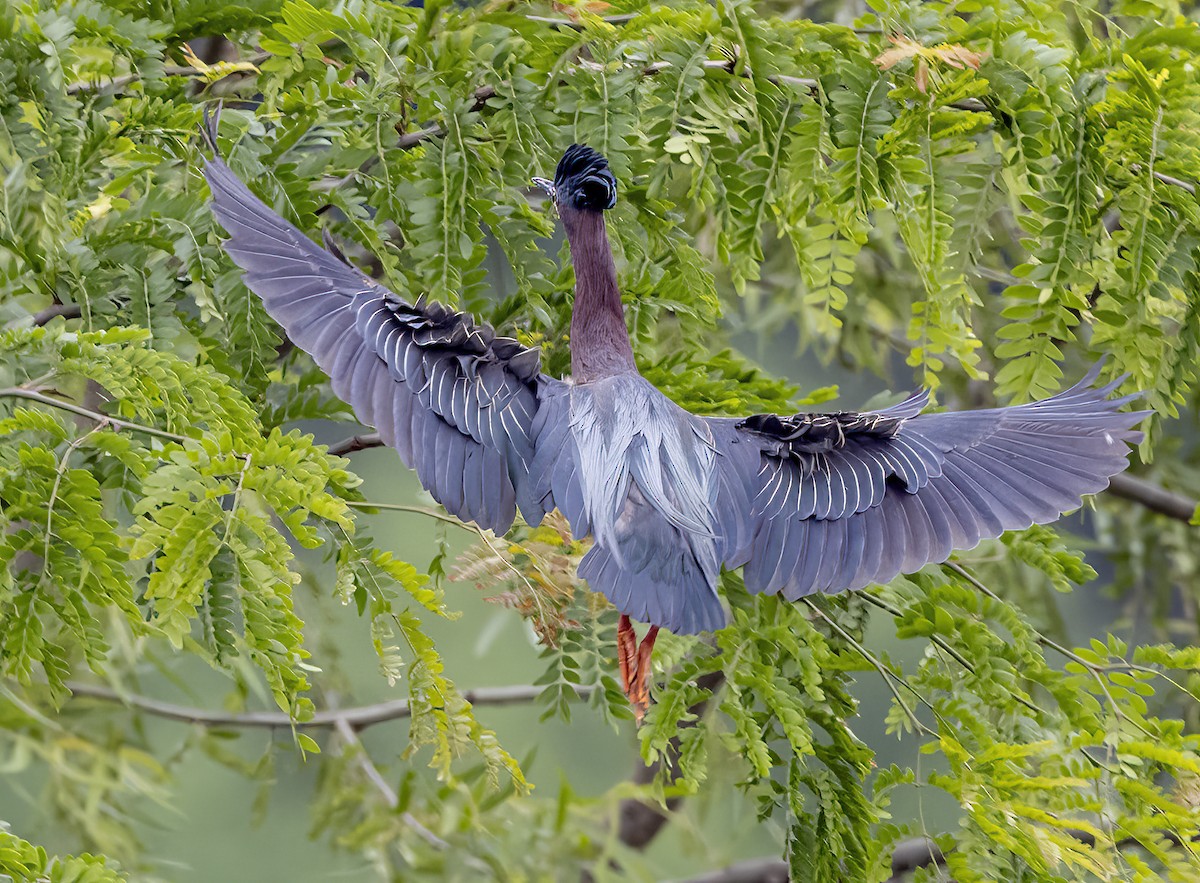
{"type": "Point", "coordinates": [803, 503]}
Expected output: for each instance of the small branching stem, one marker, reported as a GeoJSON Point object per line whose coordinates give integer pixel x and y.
{"type": "Point", "coordinates": [889, 677]}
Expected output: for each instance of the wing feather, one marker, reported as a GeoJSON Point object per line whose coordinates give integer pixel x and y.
{"type": "Point", "coordinates": [844, 500]}
{"type": "Point", "coordinates": [446, 393]}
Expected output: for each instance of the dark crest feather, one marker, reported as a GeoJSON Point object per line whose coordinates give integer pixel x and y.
{"type": "Point", "coordinates": [584, 181]}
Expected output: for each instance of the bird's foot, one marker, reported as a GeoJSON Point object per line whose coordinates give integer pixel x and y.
{"type": "Point", "coordinates": [634, 662]}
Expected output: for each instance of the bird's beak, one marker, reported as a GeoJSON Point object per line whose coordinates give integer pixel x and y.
{"type": "Point", "coordinates": [546, 185]}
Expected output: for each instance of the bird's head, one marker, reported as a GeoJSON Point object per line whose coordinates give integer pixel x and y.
{"type": "Point", "coordinates": [582, 181]}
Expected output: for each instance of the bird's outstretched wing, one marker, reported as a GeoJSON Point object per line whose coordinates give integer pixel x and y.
{"type": "Point", "coordinates": [456, 401]}
{"type": "Point", "coordinates": [827, 502]}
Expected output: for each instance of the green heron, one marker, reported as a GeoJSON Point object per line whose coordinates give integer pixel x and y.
{"type": "Point", "coordinates": [803, 503]}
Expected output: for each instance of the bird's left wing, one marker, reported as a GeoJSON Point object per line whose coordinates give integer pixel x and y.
{"type": "Point", "coordinates": [456, 401]}
{"type": "Point", "coordinates": [827, 502]}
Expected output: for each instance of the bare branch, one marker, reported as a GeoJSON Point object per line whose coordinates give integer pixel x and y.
{"type": "Point", "coordinates": [757, 870]}
{"type": "Point", "coordinates": [1189, 186]}
{"type": "Point", "coordinates": [67, 311]}
{"type": "Point", "coordinates": [908, 856]}
{"type": "Point", "coordinates": [1176, 182]}
{"type": "Point", "coordinates": [356, 443]}
{"type": "Point", "coordinates": [372, 772]}
{"type": "Point", "coordinates": [357, 717]}
{"type": "Point", "coordinates": [412, 139]}
{"type": "Point", "coordinates": [1155, 498]}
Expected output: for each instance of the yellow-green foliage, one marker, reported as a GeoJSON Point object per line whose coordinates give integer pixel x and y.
{"type": "Point", "coordinates": [20, 860]}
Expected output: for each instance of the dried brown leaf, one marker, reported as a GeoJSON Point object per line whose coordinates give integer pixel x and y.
{"type": "Point", "coordinates": [903, 48]}
{"type": "Point", "coordinates": [959, 56]}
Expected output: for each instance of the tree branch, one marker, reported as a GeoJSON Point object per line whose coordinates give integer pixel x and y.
{"type": "Point", "coordinates": [756, 870]}
{"type": "Point", "coordinates": [356, 717]}
{"type": "Point", "coordinates": [67, 311]}
{"type": "Point", "coordinates": [1155, 498]}
{"type": "Point", "coordinates": [650, 68]}
{"type": "Point", "coordinates": [1167, 179]}
{"type": "Point", "coordinates": [907, 856]}
{"type": "Point", "coordinates": [356, 443]}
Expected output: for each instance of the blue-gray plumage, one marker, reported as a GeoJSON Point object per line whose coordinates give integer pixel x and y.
{"type": "Point", "coordinates": [805, 503]}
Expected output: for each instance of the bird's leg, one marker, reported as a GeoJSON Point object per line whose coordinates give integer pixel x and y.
{"type": "Point", "coordinates": [626, 652]}
{"type": "Point", "coordinates": [634, 661]}
{"type": "Point", "coordinates": [641, 697]}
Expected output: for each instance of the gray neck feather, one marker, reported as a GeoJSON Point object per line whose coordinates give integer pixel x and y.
{"type": "Point", "coordinates": [599, 341]}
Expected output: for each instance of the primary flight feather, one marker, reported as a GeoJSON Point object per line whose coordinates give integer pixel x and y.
{"type": "Point", "coordinates": [804, 503]}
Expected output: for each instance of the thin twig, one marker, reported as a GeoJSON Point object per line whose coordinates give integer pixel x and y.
{"type": "Point", "coordinates": [372, 772]}
{"type": "Point", "coordinates": [17, 392]}
{"type": "Point", "coordinates": [1093, 668]}
{"type": "Point", "coordinates": [889, 677]}
{"type": "Point", "coordinates": [358, 717]}
{"type": "Point", "coordinates": [725, 65]}
{"type": "Point", "coordinates": [350, 737]}
{"type": "Point", "coordinates": [946, 646]}
{"type": "Point", "coordinates": [58, 477]}
{"type": "Point", "coordinates": [1166, 179]}
{"type": "Point", "coordinates": [416, 510]}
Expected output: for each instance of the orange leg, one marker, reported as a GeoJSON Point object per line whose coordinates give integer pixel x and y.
{"type": "Point", "coordinates": [626, 652]}
{"type": "Point", "coordinates": [634, 661]}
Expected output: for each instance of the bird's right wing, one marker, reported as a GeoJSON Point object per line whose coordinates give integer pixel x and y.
{"type": "Point", "coordinates": [828, 502]}
{"type": "Point", "coordinates": [457, 402]}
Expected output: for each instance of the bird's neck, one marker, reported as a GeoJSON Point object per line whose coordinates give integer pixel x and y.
{"type": "Point", "coordinates": [599, 341]}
